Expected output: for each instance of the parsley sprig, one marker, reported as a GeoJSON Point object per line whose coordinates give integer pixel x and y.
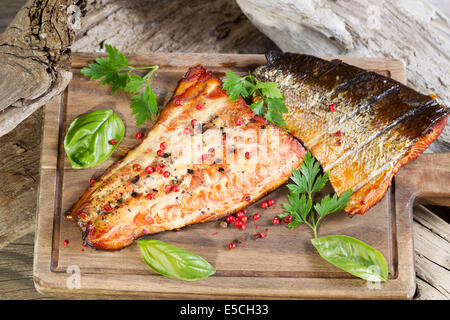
{"type": "Point", "coordinates": [115, 70]}
{"type": "Point", "coordinates": [269, 99]}
{"type": "Point", "coordinates": [308, 180]}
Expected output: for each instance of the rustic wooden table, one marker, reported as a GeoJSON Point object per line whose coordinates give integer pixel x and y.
{"type": "Point", "coordinates": [216, 26]}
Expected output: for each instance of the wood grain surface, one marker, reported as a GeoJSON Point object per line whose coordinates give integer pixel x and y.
{"type": "Point", "coordinates": [294, 271]}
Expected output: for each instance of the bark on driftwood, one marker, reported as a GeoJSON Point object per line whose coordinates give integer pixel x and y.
{"type": "Point", "coordinates": [35, 59]}
{"type": "Point", "coordinates": [412, 31]}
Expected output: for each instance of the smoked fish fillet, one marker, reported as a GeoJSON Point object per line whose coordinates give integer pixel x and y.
{"type": "Point", "coordinates": [361, 126]}
{"type": "Point", "coordinates": [216, 166]}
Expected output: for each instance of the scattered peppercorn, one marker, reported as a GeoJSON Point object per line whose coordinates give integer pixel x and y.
{"type": "Point", "coordinates": [91, 181]}
{"type": "Point", "coordinates": [244, 227]}
{"type": "Point", "coordinates": [139, 135]}
{"type": "Point", "coordinates": [256, 216]}
{"type": "Point", "coordinates": [229, 219]}
{"type": "Point", "coordinates": [244, 219]}
{"type": "Point", "coordinates": [238, 223]}
{"type": "Point", "coordinates": [199, 106]}
{"type": "Point", "coordinates": [148, 170]}
{"type": "Point", "coordinates": [271, 202]}
{"type": "Point", "coordinates": [65, 242]}
{"type": "Point", "coordinates": [178, 103]}
{"type": "Point", "coordinates": [332, 107]}
{"type": "Point", "coordinates": [231, 245]}
{"type": "Point", "coordinates": [149, 196]}
{"type": "Point", "coordinates": [187, 131]}
{"type": "Point", "coordinates": [113, 142]}
{"type": "Point", "coordinates": [163, 145]}
{"type": "Point", "coordinates": [287, 219]}
{"type": "Point", "coordinates": [136, 167]}
{"type": "Point", "coordinates": [166, 174]}
{"type": "Point", "coordinates": [238, 121]}
{"type": "Point", "coordinates": [240, 214]}
{"type": "Point", "coordinates": [107, 207]}
{"type": "Point", "coordinates": [276, 220]}
{"type": "Point", "coordinates": [264, 205]}
{"type": "Point", "coordinates": [175, 188]}
{"type": "Point", "coordinates": [135, 180]}
{"type": "Point", "coordinates": [160, 153]}
{"type": "Point", "coordinates": [194, 123]}
{"type": "Point", "coordinates": [167, 187]}
{"type": "Point", "coordinates": [261, 234]}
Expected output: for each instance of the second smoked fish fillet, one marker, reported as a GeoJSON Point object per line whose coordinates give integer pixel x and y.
{"type": "Point", "coordinates": [215, 166]}
{"type": "Point", "coordinates": [361, 127]}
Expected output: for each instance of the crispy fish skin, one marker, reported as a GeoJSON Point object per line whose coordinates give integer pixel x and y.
{"type": "Point", "coordinates": [378, 124]}
{"type": "Point", "coordinates": [208, 190]}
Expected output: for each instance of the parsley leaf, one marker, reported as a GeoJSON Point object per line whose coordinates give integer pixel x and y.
{"type": "Point", "coordinates": [271, 100]}
{"type": "Point", "coordinates": [107, 68]}
{"type": "Point", "coordinates": [269, 89]}
{"type": "Point", "coordinates": [144, 105]}
{"type": "Point", "coordinates": [115, 70]}
{"type": "Point", "coordinates": [135, 83]}
{"type": "Point", "coordinates": [275, 108]}
{"type": "Point", "coordinates": [298, 208]}
{"type": "Point", "coordinates": [236, 86]}
{"type": "Point", "coordinates": [258, 107]}
{"type": "Point", "coordinates": [329, 205]}
{"type": "Point", "coordinates": [307, 179]}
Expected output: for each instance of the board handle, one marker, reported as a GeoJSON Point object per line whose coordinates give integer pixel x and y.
{"type": "Point", "coordinates": [427, 179]}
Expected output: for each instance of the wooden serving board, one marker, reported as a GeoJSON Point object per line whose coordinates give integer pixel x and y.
{"type": "Point", "coordinates": [282, 266]}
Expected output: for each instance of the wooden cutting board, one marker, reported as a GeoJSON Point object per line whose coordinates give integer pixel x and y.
{"type": "Point", "coordinates": [282, 266]}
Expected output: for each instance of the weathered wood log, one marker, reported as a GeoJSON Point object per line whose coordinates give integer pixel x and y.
{"type": "Point", "coordinates": [169, 26]}
{"type": "Point", "coordinates": [413, 31]}
{"type": "Point", "coordinates": [35, 59]}
{"type": "Point", "coordinates": [432, 259]}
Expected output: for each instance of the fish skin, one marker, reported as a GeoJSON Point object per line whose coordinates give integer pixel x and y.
{"type": "Point", "coordinates": [383, 124]}
{"type": "Point", "coordinates": [206, 193]}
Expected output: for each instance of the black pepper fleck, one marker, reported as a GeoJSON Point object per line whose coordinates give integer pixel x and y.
{"type": "Point", "coordinates": [135, 180]}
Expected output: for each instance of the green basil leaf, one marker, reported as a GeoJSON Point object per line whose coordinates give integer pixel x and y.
{"type": "Point", "coordinates": [174, 262]}
{"type": "Point", "coordinates": [87, 141]}
{"type": "Point", "coordinates": [353, 256]}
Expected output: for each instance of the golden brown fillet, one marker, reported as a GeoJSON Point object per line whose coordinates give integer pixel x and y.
{"type": "Point", "coordinates": [361, 126]}
{"type": "Point", "coordinates": [230, 159]}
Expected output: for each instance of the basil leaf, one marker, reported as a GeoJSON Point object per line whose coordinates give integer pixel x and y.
{"type": "Point", "coordinates": [87, 141]}
{"type": "Point", "coordinates": [353, 256]}
{"type": "Point", "coordinates": [174, 262]}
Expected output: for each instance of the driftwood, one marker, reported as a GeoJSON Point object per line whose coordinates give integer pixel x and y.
{"type": "Point", "coordinates": [413, 31]}
{"type": "Point", "coordinates": [35, 59]}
